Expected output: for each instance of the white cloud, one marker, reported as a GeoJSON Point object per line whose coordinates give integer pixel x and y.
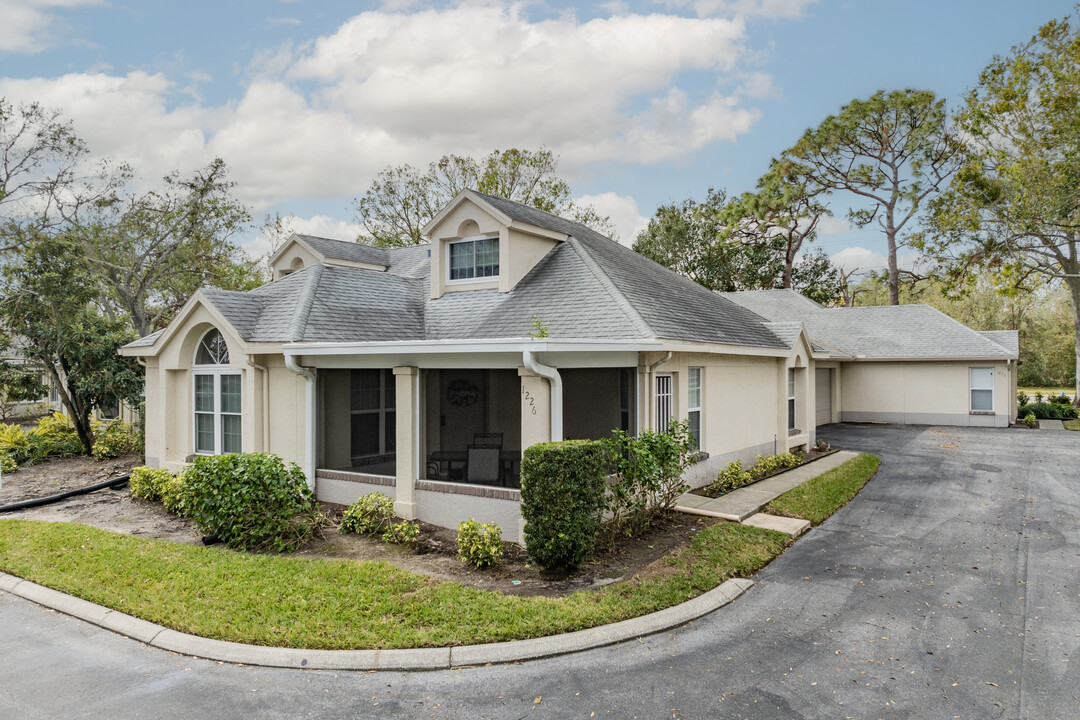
{"type": "Point", "coordinates": [744, 8]}
{"type": "Point", "coordinates": [831, 225]}
{"type": "Point", "coordinates": [28, 26]}
{"type": "Point", "coordinates": [319, 119]}
{"type": "Point", "coordinates": [283, 21]}
{"type": "Point", "coordinates": [860, 258]}
{"type": "Point", "coordinates": [622, 210]}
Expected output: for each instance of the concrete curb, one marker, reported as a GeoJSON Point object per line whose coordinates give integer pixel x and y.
{"type": "Point", "coordinates": [415, 659]}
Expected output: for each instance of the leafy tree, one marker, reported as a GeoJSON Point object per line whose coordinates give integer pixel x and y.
{"type": "Point", "coordinates": [691, 239]}
{"type": "Point", "coordinates": [1013, 208]}
{"type": "Point", "coordinates": [153, 251]}
{"type": "Point", "coordinates": [43, 177]}
{"type": "Point", "coordinates": [18, 381]}
{"type": "Point", "coordinates": [49, 302]}
{"type": "Point", "coordinates": [892, 150]}
{"type": "Point", "coordinates": [401, 200]}
{"type": "Point", "coordinates": [781, 216]}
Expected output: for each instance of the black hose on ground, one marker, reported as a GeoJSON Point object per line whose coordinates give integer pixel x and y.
{"type": "Point", "coordinates": [36, 502]}
{"type": "Point", "coordinates": [211, 539]}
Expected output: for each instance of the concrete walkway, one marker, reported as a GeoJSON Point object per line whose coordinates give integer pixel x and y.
{"type": "Point", "coordinates": [1051, 425]}
{"type": "Point", "coordinates": [744, 502]}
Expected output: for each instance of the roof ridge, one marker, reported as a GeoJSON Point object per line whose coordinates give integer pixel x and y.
{"type": "Point", "coordinates": [613, 291]}
{"type": "Point", "coordinates": [306, 301]}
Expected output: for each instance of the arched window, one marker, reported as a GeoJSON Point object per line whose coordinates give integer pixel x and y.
{"type": "Point", "coordinates": [218, 399]}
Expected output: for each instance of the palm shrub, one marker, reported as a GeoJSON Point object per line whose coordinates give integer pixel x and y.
{"type": "Point", "coordinates": [251, 501]}
{"type": "Point", "coordinates": [17, 444]}
{"type": "Point", "coordinates": [562, 492]}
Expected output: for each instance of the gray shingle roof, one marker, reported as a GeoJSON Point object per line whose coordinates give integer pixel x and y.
{"type": "Point", "coordinates": [587, 287]}
{"type": "Point", "coordinates": [346, 250]}
{"type": "Point", "coordinates": [146, 340]}
{"type": "Point", "coordinates": [1008, 339]}
{"type": "Point", "coordinates": [879, 332]}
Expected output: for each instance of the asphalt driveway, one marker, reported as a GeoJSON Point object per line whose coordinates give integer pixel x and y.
{"type": "Point", "coordinates": [949, 588]}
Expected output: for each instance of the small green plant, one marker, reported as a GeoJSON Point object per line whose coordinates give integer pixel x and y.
{"type": "Point", "coordinates": [732, 477]}
{"type": "Point", "coordinates": [370, 514]}
{"type": "Point", "coordinates": [1048, 411]}
{"type": "Point", "coordinates": [822, 445]}
{"type": "Point", "coordinates": [1061, 399]}
{"type": "Point", "coordinates": [113, 438]}
{"type": "Point", "coordinates": [57, 436]}
{"type": "Point", "coordinates": [479, 545]}
{"type": "Point", "coordinates": [146, 482]}
{"type": "Point", "coordinates": [16, 444]}
{"type": "Point", "coordinates": [7, 463]}
{"type": "Point", "coordinates": [1022, 398]}
{"type": "Point", "coordinates": [171, 490]}
{"type": "Point", "coordinates": [1030, 420]}
{"type": "Point", "coordinates": [402, 533]}
{"type": "Point", "coordinates": [252, 501]}
{"type": "Point", "coordinates": [1039, 397]}
{"type": "Point", "coordinates": [540, 329]}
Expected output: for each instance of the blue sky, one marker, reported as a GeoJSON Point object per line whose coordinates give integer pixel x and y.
{"type": "Point", "coordinates": [644, 102]}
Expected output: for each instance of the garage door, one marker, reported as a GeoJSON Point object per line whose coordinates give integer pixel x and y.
{"type": "Point", "coordinates": [823, 395]}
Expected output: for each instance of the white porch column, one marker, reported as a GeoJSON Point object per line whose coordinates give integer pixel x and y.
{"type": "Point", "coordinates": [408, 440]}
{"type": "Point", "coordinates": [535, 408]}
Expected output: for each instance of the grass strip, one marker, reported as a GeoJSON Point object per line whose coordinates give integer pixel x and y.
{"type": "Point", "coordinates": [1071, 424]}
{"type": "Point", "coordinates": [341, 604]}
{"type": "Point", "coordinates": [818, 498]}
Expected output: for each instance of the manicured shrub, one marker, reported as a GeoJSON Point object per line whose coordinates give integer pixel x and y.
{"type": "Point", "coordinates": [171, 490]}
{"type": "Point", "coordinates": [145, 482]}
{"type": "Point", "coordinates": [562, 491]}
{"type": "Point", "coordinates": [1048, 411]}
{"type": "Point", "coordinates": [371, 514]}
{"type": "Point", "coordinates": [252, 501]}
{"type": "Point", "coordinates": [1031, 421]}
{"type": "Point", "coordinates": [479, 545]}
{"type": "Point", "coordinates": [1022, 398]}
{"type": "Point", "coordinates": [7, 463]}
{"type": "Point", "coordinates": [402, 533]}
{"type": "Point", "coordinates": [1061, 399]}
{"type": "Point", "coordinates": [113, 438]}
{"type": "Point", "coordinates": [733, 476]}
{"type": "Point", "coordinates": [57, 436]}
{"type": "Point", "coordinates": [648, 475]}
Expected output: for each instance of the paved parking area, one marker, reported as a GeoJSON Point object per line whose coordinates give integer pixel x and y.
{"type": "Point", "coordinates": [949, 588]}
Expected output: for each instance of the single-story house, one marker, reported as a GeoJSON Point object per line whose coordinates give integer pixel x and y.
{"type": "Point", "coordinates": [423, 372]}
{"type": "Point", "coordinates": [910, 364]}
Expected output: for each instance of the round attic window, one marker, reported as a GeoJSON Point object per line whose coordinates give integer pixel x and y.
{"type": "Point", "coordinates": [212, 350]}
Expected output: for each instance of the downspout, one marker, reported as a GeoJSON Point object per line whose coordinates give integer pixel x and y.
{"type": "Point", "coordinates": [546, 371]}
{"type": "Point", "coordinates": [309, 438]}
{"type": "Point", "coordinates": [651, 391]}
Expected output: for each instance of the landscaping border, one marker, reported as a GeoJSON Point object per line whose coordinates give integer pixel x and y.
{"type": "Point", "coordinates": [442, 658]}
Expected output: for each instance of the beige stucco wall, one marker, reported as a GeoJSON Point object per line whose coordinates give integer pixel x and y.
{"type": "Point", "coordinates": [265, 382]}
{"type": "Point", "coordinates": [922, 393]}
{"type": "Point", "coordinates": [522, 252]}
{"type": "Point", "coordinates": [295, 257]}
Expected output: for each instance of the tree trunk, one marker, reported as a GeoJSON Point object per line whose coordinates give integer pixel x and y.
{"type": "Point", "coordinates": [1073, 284]}
{"type": "Point", "coordinates": [79, 419]}
{"type": "Point", "coordinates": [894, 271]}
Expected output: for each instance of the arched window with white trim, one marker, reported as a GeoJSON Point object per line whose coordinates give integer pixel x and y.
{"type": "Point", "coordinates": [218, 400]}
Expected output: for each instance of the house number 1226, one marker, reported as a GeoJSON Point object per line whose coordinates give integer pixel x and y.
{"type": "Point", "coordinates": [529, 399]}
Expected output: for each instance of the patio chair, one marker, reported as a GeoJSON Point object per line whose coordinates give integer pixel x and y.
{"type": "Point", "coordinates": [483, 465]}
{"type": "Point", "coordinates": [488, 439]}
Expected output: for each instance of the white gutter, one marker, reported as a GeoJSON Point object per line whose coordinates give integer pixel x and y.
{"type": "Point", "coordinates": [553, 376]}
{"type": "Point", "coordinates": [309, 437]}
{"type": "Point", "coordinates": [508, 345]}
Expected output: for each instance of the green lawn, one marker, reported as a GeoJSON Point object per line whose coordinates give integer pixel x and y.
{"type": "Point", "coordinates": [819, 497]}
{"type": "Point", "coordinates": [294, 602]}
{"type": "Point", "coordinates": [1047, 391]}
{"type": "Point", "coordinates": [1072, 424]}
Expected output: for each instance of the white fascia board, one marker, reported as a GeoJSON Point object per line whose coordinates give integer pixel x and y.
{"type": "Point", "coordinates": [449, 347]}
{"type": "Point", "coordinates": [719, 349]}
{"type": "Point", "coordinates": [971, 358]}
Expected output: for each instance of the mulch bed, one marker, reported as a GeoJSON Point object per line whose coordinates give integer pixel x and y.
{"type": "Point", "coordinates": [808, 457]}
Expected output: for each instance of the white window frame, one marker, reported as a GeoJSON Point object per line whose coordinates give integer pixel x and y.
{"type": "Point", "coordinates": [972, 389]}
{"type": "Point", "coordinates": [692, 407]}
{"type": "Point", "coordinates": [216, 372]}
{"type": "Point", "coordinates": [793, 405]}
{"type": "Point", "coordinates": [473, 239]}
{"type": "Point", "coordinates": [665, 400]}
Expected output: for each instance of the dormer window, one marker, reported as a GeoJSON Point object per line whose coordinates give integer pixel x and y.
{"type": "Point", "coordinates": [473, 258]}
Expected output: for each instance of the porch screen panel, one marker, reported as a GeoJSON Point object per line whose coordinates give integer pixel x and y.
{"type": "Point", "coordinates": [663, 402]}
{"type": "Point", "coordinates": [982, 389]}
{"type": "Point", "coordinates": [372, 398]}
